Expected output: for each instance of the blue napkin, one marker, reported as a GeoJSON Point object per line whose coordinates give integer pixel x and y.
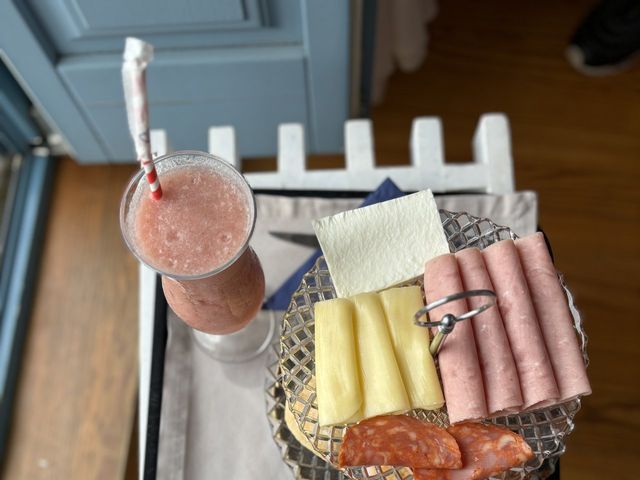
{"type": "Point", "coordinates": [281, 297]}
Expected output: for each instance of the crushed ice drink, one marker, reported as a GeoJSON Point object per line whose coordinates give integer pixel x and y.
{"type": "Point", "coordinates": [197, 236]}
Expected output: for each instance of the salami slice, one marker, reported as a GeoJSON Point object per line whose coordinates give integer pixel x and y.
{"type": "Point", "coordinates": [458, 358]}
{"type": "Point", "coordinates": [486, 450]}
{"type": "Point", "coordinates": [554, 316]}
{"type": "Point", "coordinates": [398, 440]}
{"type": "Point", "coordinates": [537, 380]}
{"type": "Point", "coordinates": [499, 374]}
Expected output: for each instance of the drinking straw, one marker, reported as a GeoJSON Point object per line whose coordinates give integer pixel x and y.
{"type": "Point", "coordinates": [137, 55]}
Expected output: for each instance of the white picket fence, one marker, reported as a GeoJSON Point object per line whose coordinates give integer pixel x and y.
{"type": "Point", "coordinates": [490, 171]}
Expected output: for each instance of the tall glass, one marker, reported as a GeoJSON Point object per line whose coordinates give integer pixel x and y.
{"type": "Point", "coordinates": [197, 237]}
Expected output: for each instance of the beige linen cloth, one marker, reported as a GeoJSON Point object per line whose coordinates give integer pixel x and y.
{"type": "Point", "coordinates": [213, 421]}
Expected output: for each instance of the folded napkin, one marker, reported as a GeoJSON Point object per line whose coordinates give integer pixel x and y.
{"type": "Point", "coordinates": [516, 210]}
{"type": "Point", "coordinates": [281, 298]}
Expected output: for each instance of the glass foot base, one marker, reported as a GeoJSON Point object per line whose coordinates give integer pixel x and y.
{"type": "Point", "coordinates": [242, 345]}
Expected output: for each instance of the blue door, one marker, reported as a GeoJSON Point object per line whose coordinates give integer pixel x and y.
{"type": "Point", "coordinates": [252, 64]}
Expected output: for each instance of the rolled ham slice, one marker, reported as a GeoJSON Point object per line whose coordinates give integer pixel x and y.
{"type": "Point", "coordinates": [537, 381]}
{"type": "Point", "coordinates": [458, 358]}
{"type": "Point", "coordinates": [499, 374]}
{"type": "Point", "coordinates": [486, 450]}
{"type": "Point", "coordinates": [554, 317]}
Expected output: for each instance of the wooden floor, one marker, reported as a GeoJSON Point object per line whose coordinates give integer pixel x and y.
{"type": "Point", "coordinates": [576, 141]}
{"type": "Point", "coordinates": [77, 390]}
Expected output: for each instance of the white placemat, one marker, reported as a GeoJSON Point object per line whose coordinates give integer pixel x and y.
{"type": "Point", "coordinates": [213, 421]}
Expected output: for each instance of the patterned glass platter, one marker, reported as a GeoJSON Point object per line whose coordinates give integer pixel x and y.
{"type": "Point", "coordinates": [544, 429]}
{"type": "Point", "coordinates": [304, 464]}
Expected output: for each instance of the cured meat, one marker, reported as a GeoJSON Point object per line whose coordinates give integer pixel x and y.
{"type": "Point", "coordinates": [499, 374]}
{"type": "Point", "coordinates": [486, 450]}
{"type": "Point", "coordinates": [554, 316]}
{"type": "Point", "coordinates": [537, 381]}
{"type": "Point", "coordinates": [458, 358]}
{"type": "Point", "coordinates": [398, 440]}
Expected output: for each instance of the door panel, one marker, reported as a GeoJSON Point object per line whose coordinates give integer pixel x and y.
{"type": "Point", "coordinates": [251, 64]}
{"type": "Point", "coordinates": [99, 18]}
{"type": "Point", "coordinates": [187, 125]}
{"type": "Point", "coordinates": [96, 26]}
{"type": "Point", "coordinates": [177, 77]}
{"type": "Point", "coordinates": [254, 90]}
{"type": "Point", "coordinates": [326, 33]}
{"type": "Point", "coordinates": [31, 60]}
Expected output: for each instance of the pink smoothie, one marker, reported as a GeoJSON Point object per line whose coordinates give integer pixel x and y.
{"type": "Point", "coordinates": [202, 222]}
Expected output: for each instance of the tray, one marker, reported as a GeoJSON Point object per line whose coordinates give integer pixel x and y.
{"type": "Point", "coordinates": [544, 429]}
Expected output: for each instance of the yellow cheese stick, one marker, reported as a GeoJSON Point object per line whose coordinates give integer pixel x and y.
{"type": "Point", "coordinates": [382, 387]}
{"type": "Point", "coordinates": [337, 379]}
{"type": "Point", "coordinates": [411, 346]}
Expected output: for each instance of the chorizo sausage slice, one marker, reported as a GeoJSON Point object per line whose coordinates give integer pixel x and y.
{"type": "Point", "coordinates": [486, 450]}
{"type": "Point", "coordinates": [398, 440]}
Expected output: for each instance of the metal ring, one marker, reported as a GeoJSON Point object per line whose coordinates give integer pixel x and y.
{"type": "Point", "coordinates": [475, 311]}
{"type": "Point", "coordinates": [452, 298]}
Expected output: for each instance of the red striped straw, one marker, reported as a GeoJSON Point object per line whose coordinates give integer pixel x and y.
{"type": "Point", "coordinates": [137, 55]}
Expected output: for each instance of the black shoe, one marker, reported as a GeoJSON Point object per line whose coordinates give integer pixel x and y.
{"type": "Point", "coordinates": [608, 39]}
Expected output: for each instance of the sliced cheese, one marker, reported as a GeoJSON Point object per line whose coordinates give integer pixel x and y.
{"type": "Point", "coordinates": [411, 347]}
{"type": "Point", "coordinates": [337, 376]}
{"type": "Point", "coordinates": [375, 247]}
{"type": "Point", "coordinates": [382, 387]}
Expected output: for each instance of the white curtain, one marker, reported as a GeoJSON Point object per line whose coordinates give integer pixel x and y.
{"type": "Point", "coordinates": [401, 39]}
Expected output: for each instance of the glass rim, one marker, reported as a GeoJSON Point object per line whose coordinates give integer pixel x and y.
{"type": "Point", "coordinates": [135, 180]}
